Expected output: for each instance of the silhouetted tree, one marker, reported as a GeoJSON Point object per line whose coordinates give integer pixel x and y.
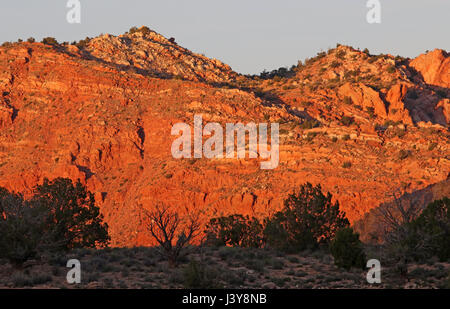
{"type": "Point", "coordinates": [235, 230]}
{"type": "Point", "coordinates": [172, 232]}
{"type": "Point", "coordinates": [74, 221]}
{"type": "Point", "coordinates": [22, 228]}
{"type": "Point", "coordinates": [309, 218]}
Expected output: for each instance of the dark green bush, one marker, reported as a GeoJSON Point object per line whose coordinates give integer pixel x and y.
{"type": "Point", "coordinates": [347, 120]}
{"type": "Point", "coordinates": [347, 249]}
{"type": "Point", "coordinates": [235, 230]}
{"type": "Point", "coordinates": [50, 41]}
{"type": "Point", "coordinates": [143, 29]}
{"type": "Point", "coordinates": [198, 276]}
{"type": "Point", "coordinates": [432, 146]}
{"type": "Point", "coordinates": [433, 225]}
{"type": "Point", "coordinates": [22, 228]}
{"type": "Point", "coordinates": [391, 69]}
{"type": "Point", "coordinates": [347, 164]}
{"type": "Point", "coordinates": [83, 43]}
{"type": "Point", "coordinates": [335, 64]}
{"type": "Point", "coordinates": [308, 219]}
{"type": "Point", "coordinates": [60, 216]}
{"type": "Point", "coordinates": [371, 111]}
{"type": "Point", "coordinates": [403, 154]}
{"type": "Point", "coordinates": [309, 124]}
{"type": "Point", "coordinates": [75, 220]}
{"type": "Point", "coordinates": [341, 54]}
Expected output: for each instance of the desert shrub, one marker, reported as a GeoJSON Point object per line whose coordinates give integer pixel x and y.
{"type": "Point", "coordinates": [403, 154]}
{"type": "Point", "coordinates": [346, 137]}
{"type": "Point", "coordinates": [414, 233]}
{"type": "Point", "coordinates": [310, 124]}
{"type": "Point", "coordinates": [308, 219]}
{"type": "Point", "coordinates": [347, 121]}
{"type": "Point", "coordinates": [433, 227]}
{"type": "Point", "coordinates": [400, 133]}
{"type": "Point", "coordinates": [83, 43]}
{"type": "Point", "coordinates": [389, 123]}
{"type": "Point", "coordinates": [447, 282]}
{"type": "Point", "coordinates": [22, 228]}
{"type": "Point", "coordinates": [347, 164]}
{"type": "Point", "coordinates": [341, 54]}
{"type": "Point", "coordinates": [391, 69]}
{"type": "Point", "coordinates": [50, 41]}
{"type": "Point", "coordinates": [347, 249]}
{"type": "Point", "coordinates": [432, 146]}
{"type": "Point", "coordinates": [172, 232]}
{"type": "Point", "coordinates": [371, 111]}
{"type": "Point", "coordinates": [335, 64]}
{"type": "Point", "coordinates": [60, 216]}
{"type": "Point", "coordinates": [75, 221]}
{"type": "Point", "coordinates": [133, 30]}
{"type": "Point", "coordinates": [144, 30]}
{"type": "Point", "coordinates": [311, 135]}
{"type": "Point", "coordinates": [235, 230]}
{"type": "Point", "coordinates": [198, 276]}
{"type": "Point", "coordinates": [37, 278]}
{"type": "Point", "coordinates": [19, 280]}
{"type": "Point", "coordinates": [31, 40]}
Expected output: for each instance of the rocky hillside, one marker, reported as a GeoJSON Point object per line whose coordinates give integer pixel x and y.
{"type": "Point", "coordinates": [102, 111]}
{"type": "Point", "coordinates": [151, 54]}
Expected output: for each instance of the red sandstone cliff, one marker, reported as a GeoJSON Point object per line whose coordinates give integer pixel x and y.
{"type": "Point", "coordinates": [103, 113]}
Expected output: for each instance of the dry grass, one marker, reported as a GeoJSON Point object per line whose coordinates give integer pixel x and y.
{"type": "Point", "coordinates": [225, 267]}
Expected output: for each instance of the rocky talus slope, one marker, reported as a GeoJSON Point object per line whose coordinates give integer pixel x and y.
{"type": "Point", "coordinates": [363, 126]}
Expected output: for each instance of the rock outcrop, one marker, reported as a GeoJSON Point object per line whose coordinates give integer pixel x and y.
{"type": "Point", "coordinates": [434, 67]}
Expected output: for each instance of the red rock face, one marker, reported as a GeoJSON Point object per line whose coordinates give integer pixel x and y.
{"type": "Point", "coordinates": [434, 67]}
{"type": "Point", "coordinates": [366, 97]}
{"type": "Point", "coordinates": [87, 114]}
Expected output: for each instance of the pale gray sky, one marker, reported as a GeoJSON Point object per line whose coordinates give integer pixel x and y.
{"type": "Point", "coordinates": [249, 35]}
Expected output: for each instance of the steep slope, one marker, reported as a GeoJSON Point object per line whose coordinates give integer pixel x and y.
{"type": "Point", "coordinates": [103, 113]}
{"type": "Point", "coordinates": [152, 54]}
{"type": "Point", "coordinates": [372, 88]}
{"type": "Point", "coordinates": [434, 67]}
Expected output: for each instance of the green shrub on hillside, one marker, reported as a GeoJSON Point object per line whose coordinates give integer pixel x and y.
{"type": "Point", "coordinates": [347, 249]}
{"type": "Point", "coordinates": [50, 41]}
{"type": "Point", "coordinates": [347, 121]}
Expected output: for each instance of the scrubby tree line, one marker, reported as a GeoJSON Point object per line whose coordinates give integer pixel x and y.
{"type": "Point", "coordinates": [62, 215]}
{"type": "Point", "coordinates": [59, 216]}
{"type": "Point", "coordinates": [308, 220]}
{"type": "Point", "coordinates": [412, 233]}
